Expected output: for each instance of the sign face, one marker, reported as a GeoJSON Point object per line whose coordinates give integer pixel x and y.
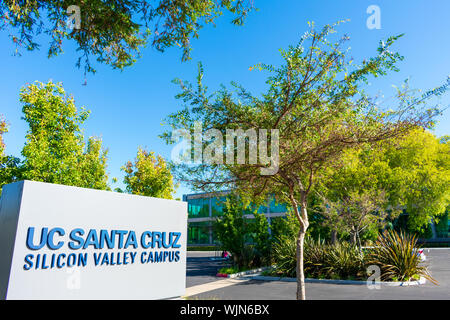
{"type": "Point", "coordinates": [61, 242]}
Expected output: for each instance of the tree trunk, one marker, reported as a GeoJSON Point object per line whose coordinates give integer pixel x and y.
{"type": "Point", "coordinates": [353, 238]}
{"type": "Point", "coordinates": [333, 236]}
{"type": "Point", "coordinates": [300, 272]}
{"type": "Point", "coordinates": [359, 242]}
{"type": "Point", "coordinates": [302, 217]}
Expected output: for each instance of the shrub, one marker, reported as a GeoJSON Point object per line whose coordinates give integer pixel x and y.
{"type": "Point", "coordinates": [248, 240]}
{"type": "Point", "coordinates": [284, 253]}
{"type": "Point", "coordinates": [343, 260]}
{"type": "Point", "coordinates": [321, 260]}
{"type": "Point", "coordinates": [397, 256]}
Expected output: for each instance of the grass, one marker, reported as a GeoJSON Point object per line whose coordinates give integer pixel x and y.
{"type": "Point", "coordinates": [231, 270]}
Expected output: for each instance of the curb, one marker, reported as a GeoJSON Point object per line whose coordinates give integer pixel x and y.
{"type": "Point", "coordinates": [243, 273]}
{"type": "Point", "coordinates": [342, 282]}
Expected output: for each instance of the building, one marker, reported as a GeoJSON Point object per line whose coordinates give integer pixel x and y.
{"type": "Point", "coordinates": [204, 208]}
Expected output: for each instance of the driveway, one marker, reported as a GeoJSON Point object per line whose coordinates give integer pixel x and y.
{"type": "Point", "coordinates": [202, 267]}
{"type": "Point", "coordinates": [198, 274]}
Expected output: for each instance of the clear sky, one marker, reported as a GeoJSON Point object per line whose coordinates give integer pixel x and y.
{"type": "Point", "coordinates": [128, 107]}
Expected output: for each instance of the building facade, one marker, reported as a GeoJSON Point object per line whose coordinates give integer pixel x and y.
{"type": "Point", "coordinates": [204, 208]}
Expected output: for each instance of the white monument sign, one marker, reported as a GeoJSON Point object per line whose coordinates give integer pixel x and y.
{"type": "Point", "coordinates": [61, 242]}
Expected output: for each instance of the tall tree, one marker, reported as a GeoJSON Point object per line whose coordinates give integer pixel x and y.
{"type": "Point", "coordinates": [55, 150]}
{"type": "Point", "coordinates": [420, 165]}
{"type": "Point", "coordinates": [355, 211]}
{"type": "Point", "coordinates": [113, 32]}
{"type": "Point", "coordinates": [3, 130]}
{"type": "Point", "coordinates": [412, 171]}
{"type": "Point", "coordinates": [8, 164]}
{"type": "Point", "coordinates": [149, 176]}
{"type": "Point", "coordinates": [315, 100]}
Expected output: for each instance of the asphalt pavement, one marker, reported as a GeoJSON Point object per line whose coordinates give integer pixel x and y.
{"type": "Point", "coordinates": [201, 270]}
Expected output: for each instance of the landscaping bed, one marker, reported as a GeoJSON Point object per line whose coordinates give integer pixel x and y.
{"type": "Point", "coordinates": [270, 274]}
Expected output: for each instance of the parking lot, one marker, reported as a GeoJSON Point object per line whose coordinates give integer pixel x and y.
{"type": "Point", "coordinates": [201, 280]}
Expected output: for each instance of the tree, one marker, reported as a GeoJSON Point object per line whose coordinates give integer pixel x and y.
{"type": "Point", "coordinates": [55, 150]}
{"type": "Point", "coordinates": [114, 31]}
{"type": "Point", "coordinates": [316, 103]}
{"type": "Point", "coordinates": [3, 130]}
{"type": "Point", "coordinates": [420, 166]}
{"type": "Point", "coordinates": [259, 228]}
{"type": "Point", "coordinates": [355, 212]}
{"type": "Point", "coordinates": [410, 173]}
{"type": "Point", "coordinates": [352, 193]}
{"type": "Point", "coordinates": [8, 164]}
{"type": "Point", "coordinates": [149, 176]}
{"type": "Point", "coordinates": [232, 230]}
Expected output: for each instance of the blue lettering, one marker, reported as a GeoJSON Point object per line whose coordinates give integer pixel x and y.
{"type": "Point", "coordinates": [44, 258]}
{"type": "Point", "coordinates": [28, 262]}
{"type": "Point", "coordinates": [30, 236]}
{"type": "Point", "coordinates": [143, 259]}
{"type": "Point", "coordinates": [177, 237]}
{"type": "Point", "coordinates": [105, 259]}
{"type": "Point", "coordinates": [71, 259]}
{"type": "Point", "coordinates": [91, 239]}
{"type": "Point", "coordinates": [158, 256]}
{"type": "Point", "coordinates": [133, 255]}
{"type": "Point", "coordinates": [97, 258]}
{"type": "Point", "coordinates": [125, 257]}
{"type": "Point", "coordinates": [145, 244]}
{"type": "Point", "coordinates": [131, 240]}
{"type": "Point", "coordinates": [77, 239]}
{"type": "Point", "coordinates": [121, 233]}
{"type": "Point", "coordinates": [50, 236]}
{"type": "Point", "coordinates": [109, 238]}
{"type": "Point", "coordinates": [38, 259]}
{"type": "Point", "coordinates": [163, 240]}
{"type": "Point", "coordinates": [158, 240]}
{"type": "Point", "coordinates": [82, 259]}
{"type": "Point", "coordinates": [58, 262]}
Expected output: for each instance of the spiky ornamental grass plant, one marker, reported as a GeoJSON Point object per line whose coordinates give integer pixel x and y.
{"type": "Point", "coordinates": [321, 260]}
{"type": "Point", "coordinates": [397, 256]}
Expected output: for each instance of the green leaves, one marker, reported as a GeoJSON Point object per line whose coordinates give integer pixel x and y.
{"type": "Point", "coordinates": [247, 239]}
{"type": "Point", "coordinates": [409, 173]}
{"type": "Point", "coordinates": [3, 130]}
{"type": "Point", "coordinates": [149, 176]}
{"type": "Point", "coordinates": [113, 32]}
{"type": "Point", "coordinates": [55, 150]}
{"type": "Point", "coordinates": [397, 256]}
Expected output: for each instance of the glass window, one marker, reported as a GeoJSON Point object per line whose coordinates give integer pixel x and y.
{"type": "Point", "coordinates": [198, 208]}
{"type": "Point", "coordinates": [218, 204]}
{"type": "Point", "coordinates": [198, 232]}
{"type": "Point", "coordinates": [277, 207]}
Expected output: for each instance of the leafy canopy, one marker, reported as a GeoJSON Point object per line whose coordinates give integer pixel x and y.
{"type": "Point", "coordinates": [3, 130]}
{"type": "Point", "coordinates": [149, 176]}
{"type": "Point", "coordinates": [55, 150]}
{"type": "Point", "coordinates": [316, 100]}
{"type": "Point", "coordinates": [113, 32]}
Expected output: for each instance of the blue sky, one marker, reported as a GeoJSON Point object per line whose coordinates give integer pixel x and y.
{"type": "Point", "coordinates": [128, 107]}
